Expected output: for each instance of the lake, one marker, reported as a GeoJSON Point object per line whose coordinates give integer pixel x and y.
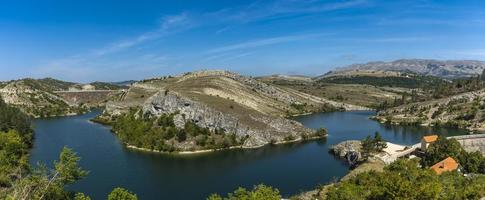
{"type": "Point", "coordinates": [291, 168]}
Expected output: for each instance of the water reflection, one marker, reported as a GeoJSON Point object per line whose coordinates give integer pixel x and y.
{"type": "Point", "coordinates": [290, 167]}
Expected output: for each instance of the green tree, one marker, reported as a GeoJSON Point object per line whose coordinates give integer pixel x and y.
{"type": "Point", "coordinates": [372, 145]}
{"type": "Point", "coordinates": [259, 192]}
{"type": "Point", "coordinates": [214, 197]}
{"type": "Point", "coordinates": [404, 179]}
{"type": "Point", "coordinates": [81, 196]}
{"type": "Point", "coordinates": [67, 167]}
{"type": "Point", "coordinates": [473, 162]}
{"type": "Point", "coordinates": [441, 149]}
{"type": "Point", "coordinates": [121, 194]}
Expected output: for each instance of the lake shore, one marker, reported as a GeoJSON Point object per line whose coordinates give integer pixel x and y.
{"type": "Point", "coordinates": [220, 149]}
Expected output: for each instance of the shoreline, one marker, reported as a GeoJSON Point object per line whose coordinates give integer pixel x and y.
{"type": "Point", "coordinates": [220, 149]}
{"type": "Point", "coordinates": [470, 130]}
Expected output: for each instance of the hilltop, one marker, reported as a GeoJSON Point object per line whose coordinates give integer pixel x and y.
{"type": "Point", "coordinates": [229, 109]}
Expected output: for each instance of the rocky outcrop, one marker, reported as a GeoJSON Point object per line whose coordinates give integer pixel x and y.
{"type": "Point", "coordinates": [349, 150]}
{"type": "Point", "coordinates": [271, 129]}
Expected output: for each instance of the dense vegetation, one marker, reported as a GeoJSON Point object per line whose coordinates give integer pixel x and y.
{"type": "Point", "coordinates": [161, 134]}
{"type": "Point", "coordinates": [405, 81]}
{"type": "Point", "coordinates": [121, 194]}
{"type": "Point", "coordinates": [19, 180]}
{"type": "Point", "coordinates": [437, 90]}
{"type": "Point", "coordinates": [473, 162]}
{"type": "Point", "coordinates": [15, 141]}
{"type": "Point", "coordinates": [259, 192]}
{"type": "Point", "coordinates": [404, 179]}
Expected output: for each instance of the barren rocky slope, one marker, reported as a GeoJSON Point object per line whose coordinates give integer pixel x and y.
{"type": "Point", "coordinates": [356, 94]}
{"type": "Point", "coordinates": [445, 69]}
{"type": "Point", "coordinates": [464, 110]}
{"type": "Point", "coordinates": [35, 101]}
{"type": "Point", "coordinates": [38, 97]}
{"type": "Point", "coordinates": [252, 110]}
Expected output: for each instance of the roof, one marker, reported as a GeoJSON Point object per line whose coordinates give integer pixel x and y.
{"type": "Point", "coordinates": [448, 164]}
{"type": "Point", "coordinates": [430, 138]}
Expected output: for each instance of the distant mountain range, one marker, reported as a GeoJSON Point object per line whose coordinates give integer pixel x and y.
{"type": "Point", "coordinates": [446, 69]}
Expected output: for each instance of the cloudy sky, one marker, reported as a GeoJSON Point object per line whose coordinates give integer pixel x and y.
{"type": "Point", "coordinates": [119, 40]}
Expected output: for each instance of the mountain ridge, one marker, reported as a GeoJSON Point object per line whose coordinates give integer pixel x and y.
{"type": "Point", "coordinates": [440, 68]}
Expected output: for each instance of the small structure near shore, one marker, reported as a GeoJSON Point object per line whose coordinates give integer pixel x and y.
{"type": "Point", "coordinates": [448, 164]}
{"type": "Point", "coordinates": [426, 140]}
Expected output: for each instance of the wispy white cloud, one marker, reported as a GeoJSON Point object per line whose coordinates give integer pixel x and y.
{"type": "Point", "coordinates": [262, 10]}
{"type": "Point", "coordinates": [263, 42]}
{"type": "Point", "coordinates": [88, 63]}
{"type": "Point", "coordinates": [395, 39]}
{"type": "Point", "coordinates": [237, 56]}
{"type": "Point", "coordinates": [168, 25]}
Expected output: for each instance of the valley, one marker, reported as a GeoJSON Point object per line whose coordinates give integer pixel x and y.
{"type": "Point", "coordinates": [168, 119]}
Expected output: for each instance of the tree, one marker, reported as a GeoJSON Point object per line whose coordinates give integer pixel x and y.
{"type": "Point", "coordinates": [441, 149]}
{"type": "Point", "coordinates": [367, 147]}
{"type": "Point", "coordinates": [67, 167]}
{"type": "Point", "coordinates": [121, 194]}
{"type": "Point", "coordinates": [372, 145]}
{"type": "Point", "coordinates": [81, 196]}
{"type": "Point", "coordinates": [404, 179]}
{"type": "Point", "coordinates": [259, 192]}
{"type": "Point", "coordinates": [473, 162]}
{"type": "Point", "coordinates": [42, 183]}
{"type": "Point", "coordinates": [379, 143]}
{"type": "Point", "coordinates": [214, 197]}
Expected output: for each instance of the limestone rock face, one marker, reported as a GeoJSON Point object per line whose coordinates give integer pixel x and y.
{"type": "Point", "coordinates": [275, 129]}
{"type": "Point", "coordinates": [344, 148]}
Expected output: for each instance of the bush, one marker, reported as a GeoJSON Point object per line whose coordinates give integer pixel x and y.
{"type": "Point", "coordinates": [121, 194]}
{"type": "Point", "coordinates": [404, 179]}
{"type": "Point", "coordinates": [259, 192]}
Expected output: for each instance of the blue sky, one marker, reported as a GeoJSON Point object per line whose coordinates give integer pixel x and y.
{"type": "Point", "coordinates": [118, 40]}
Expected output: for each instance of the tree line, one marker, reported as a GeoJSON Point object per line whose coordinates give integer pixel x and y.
{"type": "Point", "coordinates": [160, 133]}
{"type": "Point", "coordinates": [20, 180]}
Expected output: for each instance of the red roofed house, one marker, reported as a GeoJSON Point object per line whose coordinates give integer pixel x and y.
{"type": "Point", "coordinates": [448, 164]}
{"type": "Point", "coordinates": [426, 140]}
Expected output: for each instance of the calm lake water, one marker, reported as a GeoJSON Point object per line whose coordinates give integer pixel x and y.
{"type": "Point", "coordinates": [292, 168]}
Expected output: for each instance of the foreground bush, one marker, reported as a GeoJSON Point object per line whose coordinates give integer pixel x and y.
{"type": "Point", "coordinates": [259, 192]}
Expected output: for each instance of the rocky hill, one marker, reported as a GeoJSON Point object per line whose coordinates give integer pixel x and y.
{"type": "Point", "coordinates": [445, 69]}
{"type": "Point", "coordinates": [35, 99]}
{"type": "Point", "coordinates": [363, 94]}
{"type": "Point", "coordinates": [39, 97]}
{"type": "Point", "coordinates": [464, 110]}
{"type": "Point", "coordinates": [253, 111]}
